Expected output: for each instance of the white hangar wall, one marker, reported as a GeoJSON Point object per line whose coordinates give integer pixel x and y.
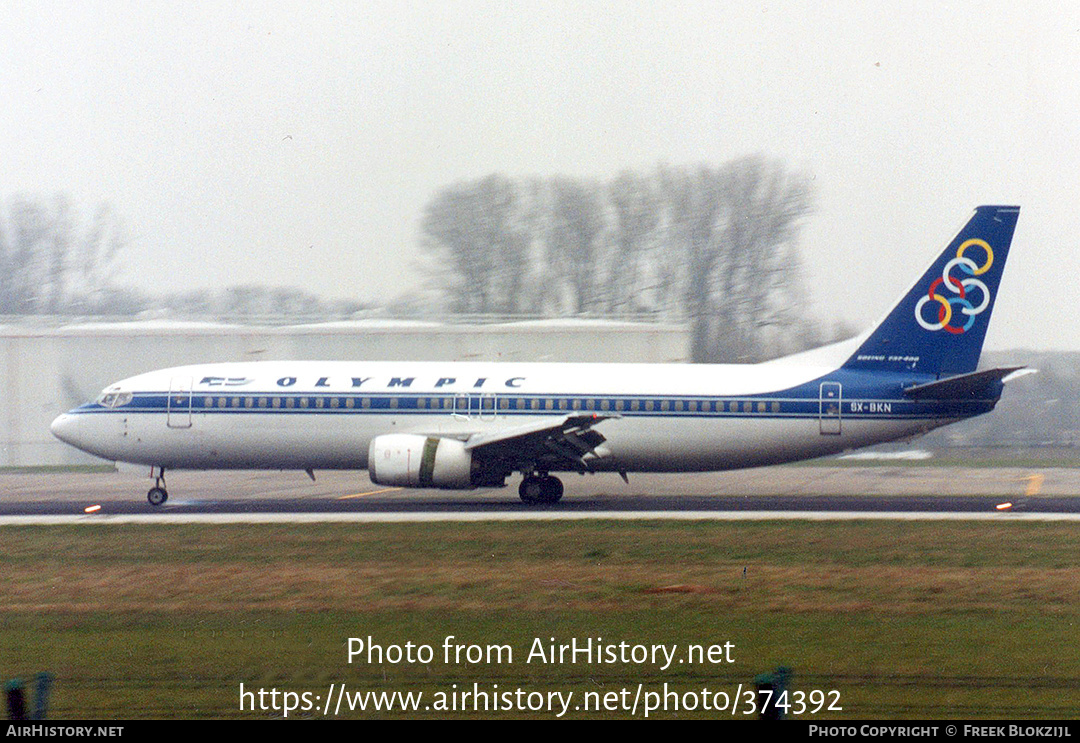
{"type": "Point", "coordinates": [45, 370]}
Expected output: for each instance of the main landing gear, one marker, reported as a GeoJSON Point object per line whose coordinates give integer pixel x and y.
{"type": "Point", "coordinates": [158, 494]}
{"type": "Point", "coordinates": [540, 488]}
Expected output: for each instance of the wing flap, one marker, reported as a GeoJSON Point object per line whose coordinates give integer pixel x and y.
{"type": "Point", "coordinates": [568, 439]}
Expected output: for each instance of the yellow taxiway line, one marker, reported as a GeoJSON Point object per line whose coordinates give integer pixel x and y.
{"type": "Point", "coordinates": [1034, 483]}
{"type": "Point", "coordinates": [370, 492]}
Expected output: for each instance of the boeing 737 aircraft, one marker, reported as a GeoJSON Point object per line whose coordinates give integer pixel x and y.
{"type": "Point", "coordinates": [467, 425]}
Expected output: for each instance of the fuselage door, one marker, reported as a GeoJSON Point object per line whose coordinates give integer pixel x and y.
{"type": "Point", "coordinates": [178, 405]}
{"type": "Point", "coordinates": [463, 405]}
{"type": "Point", "coordinates": [829, 405]}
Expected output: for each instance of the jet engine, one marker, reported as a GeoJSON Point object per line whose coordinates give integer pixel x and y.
{"type": "Point", "coordinates": [420, 462]}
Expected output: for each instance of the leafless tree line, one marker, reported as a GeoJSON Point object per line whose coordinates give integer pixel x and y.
{"type": "Point", "coordinates": [50, 262]}
{"type": "Point", "coordinates": [53, 261]}
{"type": "Point", "coordinates": [712, 246]}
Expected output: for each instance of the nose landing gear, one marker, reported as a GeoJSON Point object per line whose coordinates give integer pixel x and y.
{"type": "Point", "coordinates": [540, 488]}
{"type": "Point", "coordinates": [158, 494]}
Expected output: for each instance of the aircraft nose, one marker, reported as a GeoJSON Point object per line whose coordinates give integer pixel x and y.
{"type": "Point", "coordinates": [65, 427]}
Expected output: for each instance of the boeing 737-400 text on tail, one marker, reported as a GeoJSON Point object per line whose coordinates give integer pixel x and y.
{"type": "Point", "coordinates": [469, 424]}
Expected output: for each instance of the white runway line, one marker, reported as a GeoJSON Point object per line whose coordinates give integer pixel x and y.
{"type": "Point", "coordinates": [471, 516]}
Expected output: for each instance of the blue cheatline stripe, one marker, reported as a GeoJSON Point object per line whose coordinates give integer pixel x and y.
{"type": "Point", "coordinates": [646, 406]}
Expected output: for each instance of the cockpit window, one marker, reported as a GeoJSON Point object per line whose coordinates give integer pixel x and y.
{"type": "Point", "coordinates": [113, 399]}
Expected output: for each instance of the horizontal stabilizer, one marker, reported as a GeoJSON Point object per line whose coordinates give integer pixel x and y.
{"type": "Point", "coordinates": [976, 385]}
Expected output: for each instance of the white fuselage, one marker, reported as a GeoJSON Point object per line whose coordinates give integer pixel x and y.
{"type": "Point", "coordinates": [323, 415]}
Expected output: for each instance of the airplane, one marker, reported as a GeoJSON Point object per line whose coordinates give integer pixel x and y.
{"type": "Point", "coordinates": [465, 425]}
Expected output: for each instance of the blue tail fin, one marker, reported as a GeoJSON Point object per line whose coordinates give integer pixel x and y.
{"type": "Point", "coordinates": [939, 325]}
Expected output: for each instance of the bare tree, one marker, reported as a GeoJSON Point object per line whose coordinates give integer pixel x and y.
{"type": "Point", "coordinates": [715, 246]}
{"type": "Point", "coordinates": [574, 242]}
{"type": "Point", "coordinates": [757, 292]}
{"type": "Point", "coordinates": [96, 261]}
{"type": "Point", "coordinates": [49, 266]}
{"type": "Point", "coordinates": [473, 226]}
{"type": "Point", "coordinates": [694, 199]}
{"type": "Point", "coordinates": [636, 216]}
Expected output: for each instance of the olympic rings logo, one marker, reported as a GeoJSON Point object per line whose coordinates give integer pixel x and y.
{"type": "Point", "coordinates": [959, 287]}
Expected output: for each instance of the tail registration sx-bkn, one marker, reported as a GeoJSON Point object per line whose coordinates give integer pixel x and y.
{"type": "Point", "coordinates": [465, 425]}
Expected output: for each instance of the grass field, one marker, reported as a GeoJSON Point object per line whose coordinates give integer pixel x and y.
{"type": "Point", "coordinates": [905, 620]}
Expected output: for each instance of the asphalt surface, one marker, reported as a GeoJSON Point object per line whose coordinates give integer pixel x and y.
{"type": "Point", "coordinates": [847, 489]}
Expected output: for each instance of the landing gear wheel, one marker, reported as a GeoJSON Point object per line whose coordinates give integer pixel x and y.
{"type": "Point", "coordinates": [157, 496]}
{"type": "Point", "coordinates": [553, 490]}
{"type": "Point", "coordinates": [531, 489]}
{"type": "Point", "coordinates": [540, 489]}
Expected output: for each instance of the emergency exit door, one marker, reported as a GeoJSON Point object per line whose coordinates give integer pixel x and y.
{"type": "Point", "coordinates": [829, 404]}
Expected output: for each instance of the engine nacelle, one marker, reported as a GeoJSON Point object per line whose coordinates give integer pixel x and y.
{"type": "Point", "coordinates": [415, 461]}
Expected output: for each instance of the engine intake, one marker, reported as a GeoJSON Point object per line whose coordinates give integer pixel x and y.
{"type": "Point", "coordinates": [420, 462]}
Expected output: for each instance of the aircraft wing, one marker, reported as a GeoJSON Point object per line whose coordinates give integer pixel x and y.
{"type": "Point", "coordinates": [568, 440]}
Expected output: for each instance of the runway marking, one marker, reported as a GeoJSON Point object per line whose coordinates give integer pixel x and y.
{"type": "Point", "coordinates": [370, 492]}
{"type": "Point", "coordinates": [414, 517]}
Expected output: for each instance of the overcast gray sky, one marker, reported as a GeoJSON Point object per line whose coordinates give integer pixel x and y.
{"type": "Point", "coordinates": [296, 143]}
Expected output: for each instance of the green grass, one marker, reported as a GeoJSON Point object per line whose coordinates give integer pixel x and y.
{"type": "Point", "coordinates": [906, 620]}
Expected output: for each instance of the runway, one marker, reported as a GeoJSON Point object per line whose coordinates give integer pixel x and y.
{"type": "Point", "coordinates": [902, 492]}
